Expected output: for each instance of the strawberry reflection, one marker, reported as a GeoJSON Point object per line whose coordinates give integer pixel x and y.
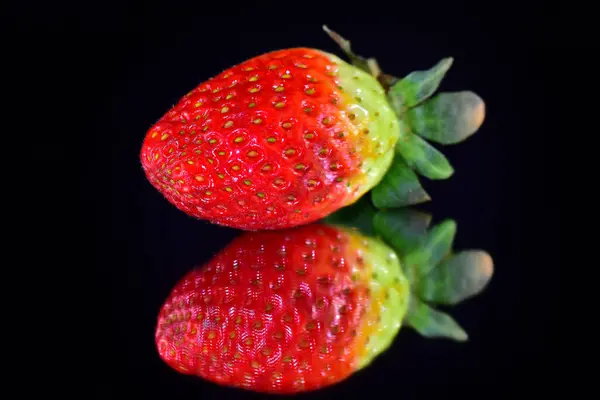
{"type": "Point", "coordinates": [304, 308]}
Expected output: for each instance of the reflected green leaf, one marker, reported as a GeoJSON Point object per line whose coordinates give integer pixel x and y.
{"type": "Point", "coordinates": [435, 246]}
{"type": "Point", "coordinates": [458, 278]}
{"type": "Point", "coordinates": [358, 215]}
{"type": "Point", "coordinates": [404, 230]}
{"type": "Point", "coordinates": [433, 323]}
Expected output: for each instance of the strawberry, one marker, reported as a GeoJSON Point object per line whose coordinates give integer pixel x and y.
{"type": "Point", "coordinates": [284, 139]}
{"type": "Point", "coordinates": [298, 309]}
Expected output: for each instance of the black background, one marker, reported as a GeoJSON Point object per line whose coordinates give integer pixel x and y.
{"type": "Point", "coordinates": [131, 61]}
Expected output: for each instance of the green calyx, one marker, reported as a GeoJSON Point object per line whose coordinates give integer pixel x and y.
{"type": "Point", "coordinates": [437, 275]}
{"type": "Point", "coordinates": [445, 118]}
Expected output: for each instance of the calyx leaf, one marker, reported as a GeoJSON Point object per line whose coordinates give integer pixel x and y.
{"type": "Point", "coordinates": [459, 277]}
{"type": "Point", "coordinates": [447, 118]}
{"type": "Point", "coordinates": [403, 229]}
{"type": "Point", "coordinates": [358, 215]}
{"type": "Point", "coordinates": [399, 187]}
{"type": "Point", "coordinates": [423, 157]}
{"type": "Point", "coordinates": [417, 86]}
{"type": "Point", "coordinates": [436, 245]}
{"type": "Point", "coordinates": [433, 323]}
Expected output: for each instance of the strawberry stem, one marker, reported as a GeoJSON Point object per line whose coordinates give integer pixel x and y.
{"type": "Point", "coordinates": [366, 64]}
{"type": "Point", "coordinates": [369, 65]}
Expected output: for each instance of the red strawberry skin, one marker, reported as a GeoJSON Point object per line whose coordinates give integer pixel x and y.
{"type": "Point", "coordinates": [280, 311]}
{"type": "Point", "coordinates": [271, 143]}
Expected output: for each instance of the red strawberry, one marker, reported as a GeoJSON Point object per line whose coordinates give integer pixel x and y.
{"type": "Point", "coordinates": [299, 309]}
{"type": "Point", "coordinates": [289, 137]}
{"type": "Point", "coordinates": [281, 139]}
{"type": "Point", "coordinates": [285, 311]}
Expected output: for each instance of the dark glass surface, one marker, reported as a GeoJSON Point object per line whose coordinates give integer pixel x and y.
{"type": "Point", "coordinates": [497, 196]}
